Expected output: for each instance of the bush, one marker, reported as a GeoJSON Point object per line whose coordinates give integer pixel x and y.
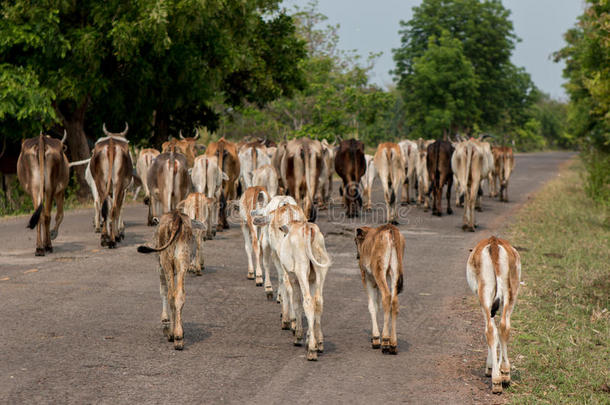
{"type": "Point", "coordinates": [597, 178]}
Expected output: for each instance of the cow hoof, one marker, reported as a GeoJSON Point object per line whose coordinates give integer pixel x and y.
{"type": "Point", "coordinates": [147, 200]}
{"type": "Point", "coordinates": [394, 222]}
{"type": "Point", "coordinates": [121, 236]}
{"type": "Point", "coordinates": [385, 346]}
{"type": "Point", "coordinates": [505, 378]}
{"type": "Point", "coordinates": [98, 230]}
{"type": "Point", "coordinates": [449, 211]}
{"type": "Point", "coordinates": [478, 209]}
{"type": "Point", "coordinates": [320, 347]}
{"type": "Point", "coordinates": [155, 221]}
{"type": "Point", "coordinates": [250, 276]}
{"type": "Point", "coordinates": [298, 342]}
{"type": "Point", "coordinates": [393, 350]}
{"type": "Point", "coordinates": [39, 252]}
{"type": "Point", "coordinates": [496, 387]}
{"type": "Point", "coordinates": [286, 325]}
{"type": "Point", "coordinates": [111, 244]}
{"type": "Point", "coordinates": [225, 226]}
{"type": "Point", "coordinates": [48, 249]}
{"type": "Point", "coordinates": [375, 342]}
{"type": "Point", "coordinates": [178, 343]}
{"type": "Point", "coordinates": [269, 295]}
{"type": "Point", "coordinates": [487, 372]}
{"type": "Point", "coordinates": [312, 355]}
{"type": "Point", "coordinates": [293, 325]}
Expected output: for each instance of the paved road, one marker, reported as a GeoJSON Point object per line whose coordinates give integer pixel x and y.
{"type": "Point", "coordinates": [81, 325]}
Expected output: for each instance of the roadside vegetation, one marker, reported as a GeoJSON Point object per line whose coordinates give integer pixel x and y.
{"type": "Point", "coordinates": [561, 324]}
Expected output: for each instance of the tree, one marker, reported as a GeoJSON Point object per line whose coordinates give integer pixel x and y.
{"type": "Point", "coordinates": [487, 38]}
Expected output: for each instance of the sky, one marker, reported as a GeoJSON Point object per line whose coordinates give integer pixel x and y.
{"type": "Point", "coordinates": [372, 26]}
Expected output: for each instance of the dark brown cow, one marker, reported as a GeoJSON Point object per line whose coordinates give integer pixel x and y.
{"type": "Point", "coordinates": [350, 165]}
{"type": "Point", "coordinates": [440, 173]}
{"type": "Point", "coordinates": [112, 170]}
{"type": "Point", "coordinates": [43, 171]}
{"type": "Point", "coordinates": [228, 162]}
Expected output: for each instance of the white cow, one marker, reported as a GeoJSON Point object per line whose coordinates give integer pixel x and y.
{"type": "Point", "coordinates": [267, 177]}
{"type": "Point", "coordinates": [367, 180]}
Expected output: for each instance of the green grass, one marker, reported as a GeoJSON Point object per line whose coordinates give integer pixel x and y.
{"type": "Point", "coordinates": [560, 345]}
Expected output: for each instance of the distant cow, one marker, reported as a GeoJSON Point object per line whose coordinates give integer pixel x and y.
{"type": "Point", "coordinates": [305, 261]}
{"type": "Point", "coordinates": [325, 186]}
{"type": "Point", "coordinates": [367, 180]}
{"type": "Point", "coordinates": [168, 182]}
{"type": "Point", "coordinates": [421, 169]}
{"type": "Point", "coordinates": [176, 244]}
{"type": "Point", "coordinates": [350, 165]}
{"type": "Point", "coordinates": [438, 163]}
{"type": "Point", "coordinates": [207, 178]}
{"type": "Point", "coordinates": [198, 207]}
{"type": "Point", "coordinates": [267, 177]}
{"type": "Point", "coordinates": [111, 169]}
{"type": "Point", "coordinates": [253, 198]}
{"type": "Point", "coordinates": [380, 253]}
{"type": "Point", "coordinates": [390, 166]}
{"type": "Point", "coordinates": [252, 155]}
{"type": "Point", "coordinates": [186, 146]}
{"type": "Point", "coordinates": [145, 160]}
{"type": "Point", "coordinates": [43, 171]}
{"type": "Point", "coordinates": [409, 152]}
{"type": "Point", "coordinates": [504, 163]}
{"type": "Point", "coordinates": [228, 162]}
{"type": "Point", "coordinates": [494, 273]}
{"type": "Point", "coordinates": [301, 165]}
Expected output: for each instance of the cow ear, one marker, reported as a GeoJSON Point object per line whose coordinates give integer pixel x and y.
{"type": "Point", "coordinates": [260, 220]}
{"type": "Point", "coordinates": [360, 234]}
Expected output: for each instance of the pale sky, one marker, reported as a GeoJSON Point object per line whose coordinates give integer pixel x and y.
{"type": "Point", "coordinates": [372, 26]}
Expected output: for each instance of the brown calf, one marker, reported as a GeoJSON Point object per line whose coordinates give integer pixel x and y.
{"type": "Point", "coordinates": [438, 163]}
{"type": "Point", "coordinates": [198, 207]}
{"type": "Point", "coordinates": [254, 198]}
{"type": "Point", "coordinates": [493, 272]}
{"type": "Point", "coordinates": [380, 253]}
{"type": "Point", "coordinates": [504, 162]}
{"type": "Point", "coordinates": [350, 165]}
{"type": "Point", "coordinates": [43, 171]}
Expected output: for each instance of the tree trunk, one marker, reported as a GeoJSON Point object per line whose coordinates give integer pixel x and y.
{"type": "Point", "coordinates": [161, 129]}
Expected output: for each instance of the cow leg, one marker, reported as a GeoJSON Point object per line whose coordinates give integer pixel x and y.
{"type": "Point", "coordinates": [491, 334]}
{"type": "Point", "coordinates": [302, 275]}
{"type": "Point", "coordinates": [179, 298]}
{"type": "Point", "coordinates": [297, 305]}
{"type": "Point", "coordinates": [222, 214]}
{"type": "Point", "coordinates": [318, 294]}
{"type": "Point", "coordinates": [373, 296]}
{"type": "Point", "coordinates": [199, 254]}
{"type": "Point", "coordinates": [382, 285]}
{"type": "Point", "coordinates": [46, 218]}
{"type": "Point", "coordinates": [96, 216]}
{"type": "Point", "coordinates": [248, 246]}
{"type": "Point", "coordinates": [165, 322]}
{"type": "Point", "coordinates": [257, 256]}
{"type": "Point", "coordinates": [395, 310]}
{"type": "Point", "coordinates": [266, 253]}
{"type": "Point", "coordinates": [282, 293]}
{"type": "Point", "coordinates": [59, 214]}
{"type": "Point", "coordinates": [449, 185]}
{"type": "Point", "coordinates": [121, 224]}
{"type": "Point", "coordinates": [504, 335]}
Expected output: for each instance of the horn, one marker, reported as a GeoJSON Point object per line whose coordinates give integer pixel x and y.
{"type": "Point", "coordinates": [65, 136]}
{"type": "Point", "coordinates": [180, 134]}
{"type": "Point", "coordinates": [125, 130]}
{"type": "Point", "coordinates": [105, 130]}
{"type": "Point", "coordinates": [196, 133]}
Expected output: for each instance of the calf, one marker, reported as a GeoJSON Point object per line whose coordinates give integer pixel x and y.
{"type": "Point", "coordinates": [493, 272]}
{"type": "Point", "coordinates": [409, 152]}
{"type": "Point", "coordinates": [380, 253]}
{"type": "Point", "coordinates": [305, 262]}
{"type": "Point", "coordinates": [253, 198]}
{"type": "Point", "coordinates": [438, 163]}
{"type": "Point", "coordinates": [504, 163]}
{"type": "Point", "coordinates": [367, 180]}
{"type": "Point", "coordinates": [175, 242]}
{"type": "Point", "coordinates": [390, 165]}
{"type": "Point", "coordinates": [266, 176]}
{"type": "Point", "coordinates": [198, 207]}
{"type": "Point", "coordinates": [350, 165]}
{"type": "Point", "coordinates": [43, 171]}
{"type": "Point", "coordinates": [143, 163]}
{"type": "Point", "coordinates": [168, 183]}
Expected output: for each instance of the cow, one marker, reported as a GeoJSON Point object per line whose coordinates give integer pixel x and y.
{"type": "Point", "coordinates": [380, 254]}
{"type": "Point", "coordinates": [43, 172]}
{"type": "Point", "coordinates": [186, 146]}
{"type": "Point", "coordinates": [276, 161]}
{"type": "Point", "coordinates": [198, 207]}
{"type": "Point", "coordinates": [143, 163]}
{"type": "Point", "coordinates": [325, 183]}
{"type": "Point", "coordinates": [176, 246]}
{"type": "Point", "coordinates": [252, 155]}
{"type": "Point", "coordinates": [470, 166]}
{"type": "Point", "coordinates": [504, 163]}
{"type": "Point", "coordinates": [111, 169]}
{"type": "Point", "coordinates": [300, 172]}
{"type": "Point", "coordinates": [390, 166]}
{"type": "Point", "coordinates": [305, 262]}
{"type": "Point", "coordinates": [421, 169]}
{"type": "Point", "coordinates": [367, 180]}
{"type": "Point", "coordinates": [168, 183]}
{"type": "Point", "coordinates": [253, 198]}
{"type": "Point", "coordinates": [281, 210]}
{"type": "Point", "coordinates": [493, 272]}
{"type": "Point", "coordinates": [438, 163]}
{"type": "Point", "coordinates": [409, 152]}
{"type": "Point", "coordinates": [228, 162]}
{"type": "Point", "coordinates": [207, 178]}
{"type": "Point", "coordinates": [350, 165]}
{"type": "Point", "coordinates": [267, 177]}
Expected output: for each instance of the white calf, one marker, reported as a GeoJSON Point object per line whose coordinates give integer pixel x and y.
{"type": "Point", "coordinates": [253, 198]}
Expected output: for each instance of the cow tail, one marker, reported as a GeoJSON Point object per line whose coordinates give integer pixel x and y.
{"type": "Point", "coordinates": [40, 197]}
{"type": "Point", "coordinates": [437, 172]}
{"type": "Point", "coordinates": [400, 247]}
{"type": "Point", "coordinates": [310, 233]}
{"type": "Point", "coordinates": [104, 194]}
{"type": "Point", "coordinates": [172, 162]}
{"type": "Point", "coordinates": [254, 156]}
{"type": "Point", "coordinates": [494, 253]}
{"type": "Point", "coordinates": [176, 226]}
{"type": "Point", "coordinates": [390, 159]}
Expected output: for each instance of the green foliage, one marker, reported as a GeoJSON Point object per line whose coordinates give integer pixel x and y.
{"type": "Point", "coordinates": [597, 179]}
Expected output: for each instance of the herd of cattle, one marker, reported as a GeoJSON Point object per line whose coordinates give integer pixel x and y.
{"type": "Point", "coordinates": [279, 188]}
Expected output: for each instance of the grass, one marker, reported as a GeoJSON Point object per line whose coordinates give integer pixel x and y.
{"type": "Point", "coordinates": [561, 324]}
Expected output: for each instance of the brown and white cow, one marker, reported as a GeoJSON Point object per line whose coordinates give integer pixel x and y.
{"type": "Point", "coordinates": [176, 246]}
{"type": "Point", "coordinates": [409, 152]}
{"type": "Point", "coordinates": [145, 160]}
{"type": "Point", "coordinates": [186, 146]}
{"type": "Point", "coordinates": [350, 165]}
{"type": "Point", "coordinates": [421, 169]}
{"type": "Point", "coordinates": [470, 166]}
{"type": "Point", "coordinates": [43, 171]}
{"type": "Point", "coordinates": [438, 163]}
{"type": "Point", "coordinates": [305, 262]}
{"type": "Point", "coordinates": [390, 165]}
{"type": "Point", "coordinates": [504, 163]}
{"type": "Point", "coordinates": [325, 183]}
{"type": "Point", "coordinates": [252, 155]}
{"type": "Point", "coordinates": [380, 254]}
{"type": "Point", "coordinates": [198, 207]}
{"type": "Point", "coordinates": [111, 169]}
{"type": "Point", "coordinates": [493, 272]}
{"type": "Point", "coordinates": [168, 182]}
{"type": "Point", "coordinates": [228, 162]}
{"type": "Point", "coordinates": [276, 161]}
{"type": "Point", "coordinates": [267, 177]}
{"type": "Point", "coordinates": [207, 178]}
{"type": "Point", "coordinates": [300, 172]}
{"type": "Point", "coordinates": [254, 198]}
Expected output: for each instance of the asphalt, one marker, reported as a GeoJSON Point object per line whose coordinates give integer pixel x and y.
{"type": "Point", "coordinates": [82, 325]}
